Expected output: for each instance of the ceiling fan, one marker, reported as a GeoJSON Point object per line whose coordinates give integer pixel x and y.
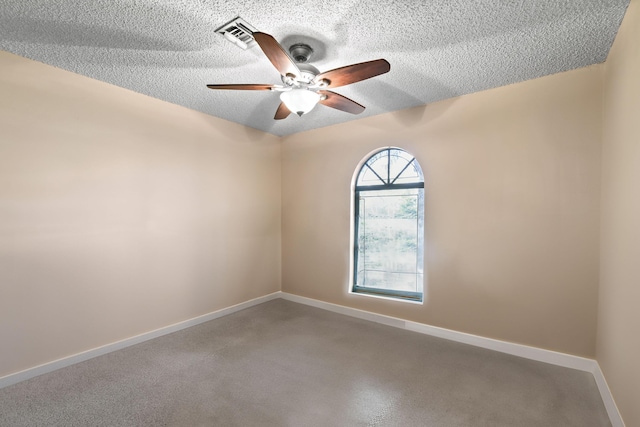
{"type": "Point", "coordinates": [304, 86]}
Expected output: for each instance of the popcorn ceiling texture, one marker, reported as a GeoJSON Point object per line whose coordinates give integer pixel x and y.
{"type": "Point", "coordinates": [438, 49]}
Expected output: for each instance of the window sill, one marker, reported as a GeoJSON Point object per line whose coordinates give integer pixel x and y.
{"type": "Point", "coordinates": [409, 297]}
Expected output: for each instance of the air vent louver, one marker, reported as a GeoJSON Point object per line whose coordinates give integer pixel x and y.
{"type": "Point", "coordinates": [238, 32]}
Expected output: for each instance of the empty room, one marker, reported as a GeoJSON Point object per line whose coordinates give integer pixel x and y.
{"type": "Point", "coordinates": [404, 213]}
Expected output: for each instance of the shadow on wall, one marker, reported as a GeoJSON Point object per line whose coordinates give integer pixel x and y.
{"type": "Point", "coordinates": [233, 131]}
{"type": "Point", "coordinates": [262, 116]}
{"type": "Point", "coordinates": [441, 98]}
{"type": "Point", "coordinates": [415, 116]}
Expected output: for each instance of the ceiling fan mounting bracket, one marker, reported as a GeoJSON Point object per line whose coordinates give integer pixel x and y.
{"type": "Point", "coordinates": [300, 52]}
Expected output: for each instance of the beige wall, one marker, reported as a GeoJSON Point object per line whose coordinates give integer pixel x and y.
{"type": "Point", "coordinates": [512, 210]}
{"type": "Point", "coordinates": [120, 214]}
{"type": "Point", "coordinates": [117, 215]}
{"type": "Point", "coordinates": [618, 350]}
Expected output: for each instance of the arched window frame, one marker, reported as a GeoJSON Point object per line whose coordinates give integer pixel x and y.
{"type": "Point", "coordinates": [391, 179]}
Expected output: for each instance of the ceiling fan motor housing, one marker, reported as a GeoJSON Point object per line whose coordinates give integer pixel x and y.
{"type": "Point", "coordinates": [307, 73]}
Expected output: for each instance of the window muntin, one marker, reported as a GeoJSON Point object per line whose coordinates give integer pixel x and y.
{"type": "Point", "coordinates": [390, 166]}
{"type": "Point", "coordinates": [388, 248]}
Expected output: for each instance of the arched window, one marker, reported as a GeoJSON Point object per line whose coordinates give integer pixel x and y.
{"type": "Point", "coordinates": [388, 243]}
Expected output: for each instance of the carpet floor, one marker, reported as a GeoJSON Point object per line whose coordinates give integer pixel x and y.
{"type": "Point", "coordinates": [286, 364]}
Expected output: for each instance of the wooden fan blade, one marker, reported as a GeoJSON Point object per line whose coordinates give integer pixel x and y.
{"type": "Point", "coordinates": [282, 112]}
{"type": "Point", "coordinates": [339, 102]}
{"type": "Point", "coordinates": [241, 87]}
{"type": "Point", "coordinates": [354, 73]}
{"type": "Point", "coordinates": [276, 54]}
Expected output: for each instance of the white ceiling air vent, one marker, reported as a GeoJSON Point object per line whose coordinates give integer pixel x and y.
{"type": "Point", "coordinates": [238, 32]}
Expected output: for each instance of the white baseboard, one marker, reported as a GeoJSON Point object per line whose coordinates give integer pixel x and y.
{"type": "Point", "coordinates": [548, 356]}
{"type": "Point", "coordinates": [607, 398]}
{"type": "Point", "coordinates": [99, 351]}
{"type": "Point", "coordinates": [541, 355]}
{"type": "Point", "coordinates": [527, 352]}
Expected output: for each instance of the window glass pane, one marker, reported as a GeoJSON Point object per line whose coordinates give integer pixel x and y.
{"type": "Point", "coordinates": [390, 229]}
{"type": "Point", "coordinates": [391, 281]}
{"type": "Point", "coordinates": [398, 162]}
{"type": "Point", "coordinates": [377, 164]}
{"type": "Point", "coordinates": [400, 155]}
{"type": "Point", "coordinates": [410, 174]}
{"type": "Point", "coordinates": [368, 177]}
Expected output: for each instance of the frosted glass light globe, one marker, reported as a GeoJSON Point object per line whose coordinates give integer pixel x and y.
{"type": "Point", "coordinates": [300, 100]}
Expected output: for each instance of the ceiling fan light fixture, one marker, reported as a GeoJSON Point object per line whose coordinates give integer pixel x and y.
{"type": "Point", "coordinates": [300, 100]}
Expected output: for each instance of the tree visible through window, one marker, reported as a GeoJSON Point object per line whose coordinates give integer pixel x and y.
{"type": "Point", "coordinates": [388, 248]}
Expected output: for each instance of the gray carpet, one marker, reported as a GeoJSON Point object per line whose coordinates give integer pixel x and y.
{"type": "Point", "coordinates": [286, 364]}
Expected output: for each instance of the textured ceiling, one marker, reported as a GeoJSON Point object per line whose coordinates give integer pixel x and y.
{"type": "Point", "coordinates": [437, 48]}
